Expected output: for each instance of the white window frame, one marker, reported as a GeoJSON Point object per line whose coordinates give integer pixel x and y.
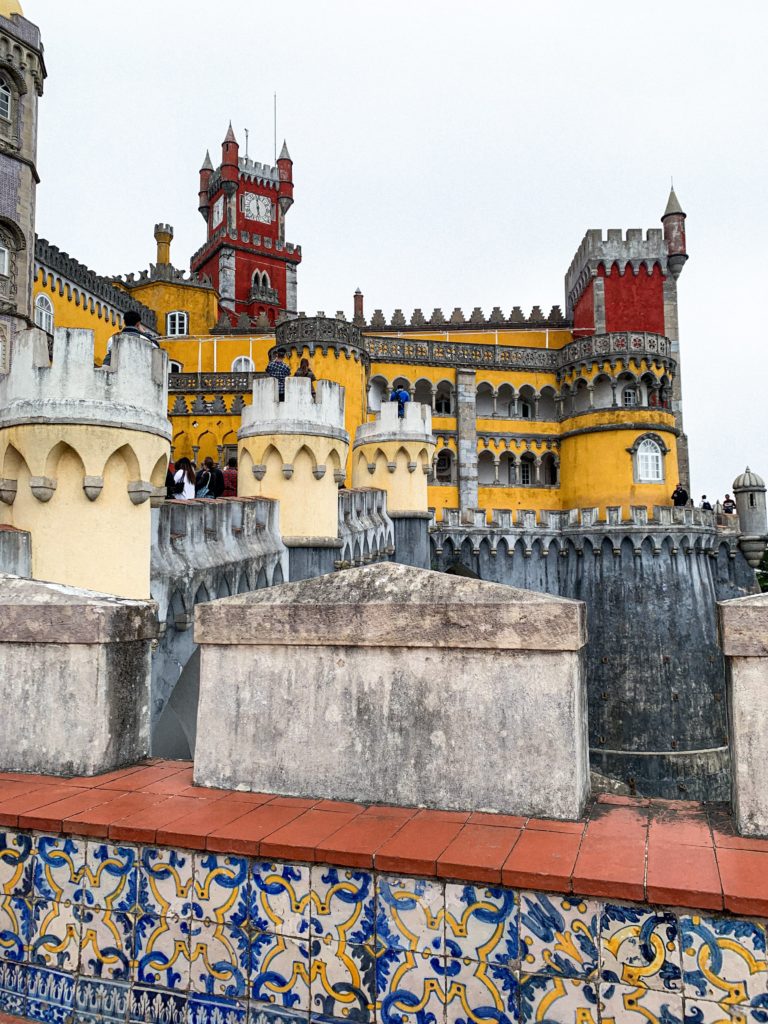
{"type": "Point", "coordinates": [177, 323]}
{"type": "Point", "coordinates": [5, 261]}
{"type": "Point", "coordinates": [44, 313]}
{"type": "Point", "coordinates": [243, 364]}
{"type": "Point", "coordinates": [526, 472]}
{"type": "Point", "coordinates": [630, 396]}
{"type": "Point", "coordinates": [174, 366]}
{"type": "Point", "coordinates": [649, 462]}
{"type": "Point", "coordinates": [6, 100]}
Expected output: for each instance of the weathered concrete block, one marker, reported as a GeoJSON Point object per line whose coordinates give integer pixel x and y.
{"type": "Point", "coordinates": [75, 667]}
{"type": "Point", "coordinates": [396, 684]}
{"type": "Point", "coordinates": [744, 638]}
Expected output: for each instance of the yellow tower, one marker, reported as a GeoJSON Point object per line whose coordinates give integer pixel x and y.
{"type": "Point", "coordinates": [82, 449]}
{"type": "Point", "coordinates": [394, 453]}
{"type": "Point", "coordinates": [295, 451]}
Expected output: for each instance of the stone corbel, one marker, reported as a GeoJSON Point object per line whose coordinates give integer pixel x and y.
{"type": "Point", "coordinates": [318, 472]}
{"type": "Point", "coordinates": [391, 466]}
{"type": "Point", "coordinates": [42, 487]}
{"type": "Point", "coordinates": [287, 470]}
{"type": "Point", "coordinates": [339, 476]}
{"type": "Point", "coordinates": [93, 486]}
{"type": "Point", "coordinates": [8, 491]}
{"type": "Point", "coordinates": [140, 491]}
{"type": "Point", "coordinates": [371, 468]}
{"type": "Point", "coordinates": [411, 467]}
{"type": "Point", "coordinates": [259, 472]}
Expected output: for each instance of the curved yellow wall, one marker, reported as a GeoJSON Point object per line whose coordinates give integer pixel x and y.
{"type": "Point", "coordinates": [101, 544]}
{"type": "Point", "coordinates": [406, 487]}
{"type": "Point", "coordinates": [67, 312]}
{"type": "Point", "coordinates": [171, 296]}
{"type": "Point", "coordinates": [309, 507]}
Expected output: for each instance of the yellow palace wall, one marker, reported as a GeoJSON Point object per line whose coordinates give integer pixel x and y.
{"type": "Point", "coordinates": [68, 313]}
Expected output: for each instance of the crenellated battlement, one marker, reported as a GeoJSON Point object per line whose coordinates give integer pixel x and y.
{"type": "Point", "coordinates": [457, 321]}
{"type": "Point", "coordinates": [299, 413]}
{"type": "Point", "coordinates": [415, 425]}
{"type": "Point", "coordinates": [131, 393]}
{"type": "Point", "coordinates": [624, 249]}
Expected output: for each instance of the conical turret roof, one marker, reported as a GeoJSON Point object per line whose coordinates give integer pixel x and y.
{"type": "Point", "coordinates": [284, 154]}
{"type": "Point", "coordinates": [207, 165]}
{"type": "Point", "coordinates": [230, 136]}
{"type": "Point", "coordinates": [673, 205]}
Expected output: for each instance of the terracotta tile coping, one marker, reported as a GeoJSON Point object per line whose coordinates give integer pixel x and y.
{"type": "Point", "coordinates": [670, 852]}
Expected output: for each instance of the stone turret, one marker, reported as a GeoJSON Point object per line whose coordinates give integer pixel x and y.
{"type": "Point", "coordinates": [394, 453]}
{"type": "Point", "coordinates": [749, 493]}
{"type": "Point", "coordinates": [296, 451]}
{"type": "Point", "coordinates": [82, 449]}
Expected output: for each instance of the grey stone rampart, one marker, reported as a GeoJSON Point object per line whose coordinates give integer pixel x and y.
{"type": "Point", "coordinates": [365, 529]}
{"type": "Point", "coordinates": [203, 550]}
{"type": "Point", "coordinates": [655, 674]}
{"type": "Point", "coordinates": [130, 393]}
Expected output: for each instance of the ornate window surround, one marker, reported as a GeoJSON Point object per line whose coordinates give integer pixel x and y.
{"type": "Point", "coordinates": [635, 452]}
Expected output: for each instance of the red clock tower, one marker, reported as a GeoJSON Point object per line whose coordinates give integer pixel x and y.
{"type": "Point", "coordinates": [245, 256]}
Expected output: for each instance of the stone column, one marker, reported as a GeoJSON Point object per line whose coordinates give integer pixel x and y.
{"type": "Point", "coordinates": [495, 403]}
{"type": "Point", "coordinates": [466, 420]}
{"type": "Point", "coordinates": [672, 331]}
{"type": "Point", "coordinates": [614, 385]}
{"type": "Point", "coordinates": [496, 470]}
{"type": "Point", "coordinates": [535, 407]}
{"type": "Point", "coordinates": [591, 395]}
{"type": "Point", "coordinates": [434, 398]}
{"type": "Point", "coordinates": [537, 471]}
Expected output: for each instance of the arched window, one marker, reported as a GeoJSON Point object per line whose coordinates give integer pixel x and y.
{"type": "Point", "coordinates": [5, 261]}
{"type": "Point", "coordinates": [243, 364]}
{"type": "Point", "coordinates": [650, 464]}
{"type": "Point", "coordinates": [443, 466]}
{"type": "Point", "coordinates": [5, 100]}
{"type": "Point", "coordinates": [174, 366]}
{"type": "Point", "coordinates": [526, 411]}
{"type": "Point", "coordinates": [629, 397]}
{"type": "Point", "coordinates": [177, 324]}
{"type": "Point", "coordinates": [44, 313]}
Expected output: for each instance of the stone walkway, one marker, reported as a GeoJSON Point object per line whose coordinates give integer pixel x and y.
{"type": "Point", "coordinates": [678, 853]}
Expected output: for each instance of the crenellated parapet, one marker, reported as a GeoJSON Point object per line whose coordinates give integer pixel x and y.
{"type": "Point", "coordinates": [625, 252]}
{"type": "Point", "coordinates": [365, 529]}
{"type": "Point", "coordinates": [394, 453]}
{"type": "Point", "coordinates": [497, 319]}
{"type": "Point", "coordinates": [295, 451]}
{"type": "Point", "coordinates": [82, 450]}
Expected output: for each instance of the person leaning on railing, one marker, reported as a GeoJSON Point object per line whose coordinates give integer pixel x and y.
{"type": "Point", "coordinates": [305, 370]}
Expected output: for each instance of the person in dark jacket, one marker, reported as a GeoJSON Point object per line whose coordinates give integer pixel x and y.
{"type": "Point", "coordinates": [679, 496]}
{"type": "Point", "coordinates": [230, 479]}
{"type": "Point", "coordinates": [209, 482]}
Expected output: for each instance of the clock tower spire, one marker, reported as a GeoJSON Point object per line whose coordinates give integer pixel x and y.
{"type": "Point", "coordinates": [245, 255]}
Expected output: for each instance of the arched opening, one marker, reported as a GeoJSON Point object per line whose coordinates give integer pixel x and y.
{"type": "Point", "coordinates": [580, 399]}
{"type": "Point", "coordinates": [423, 392]}
{"type": "Point", "coordinates": [507, 475]}
{"type": "Point", "coordinates": [243, 364]}
{"type": "Point", "coordinates": [547, 409]}
{"type": "Point", "coordinates": [505, 401]}
{"type": "Point", "coordinates": [5, 100]}
{"type": "Point", "coordinates": [527, 469]}
{"type": "Point", "coordinates": [602, 393]}
{"type": "Point", "coordinates": [525, 403]}
{"type": "Point", "coordinates": [444, 399]}
{"type": "Point", "coordinates": [486, 474]}
{"type": "Point", "coordinates": [548, 470]}
{"type": "Point", "coordinates": [444, 467]}
{"type": "Point", "coordinates": [378, 392]}
{"type": "Point", "coordinates": [484, 400]}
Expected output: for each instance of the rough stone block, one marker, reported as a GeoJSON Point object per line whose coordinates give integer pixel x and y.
{"type": "Point", "coordinates": [75, 667]}
{"type": "Point", "coordinates": [398, 685]}
{"type": "Point", "coordinates": [744, 639]}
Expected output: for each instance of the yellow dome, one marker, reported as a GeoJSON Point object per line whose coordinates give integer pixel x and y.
{"type": "Point", "coordinates": [9, 7]}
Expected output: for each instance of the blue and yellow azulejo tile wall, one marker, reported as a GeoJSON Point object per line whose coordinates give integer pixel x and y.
{"type": "Point", "coordinates": [92, 933]}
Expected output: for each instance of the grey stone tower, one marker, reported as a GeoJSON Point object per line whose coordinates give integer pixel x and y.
{"type": "Point", "coordinates": [22, 71]}
{"type": "Point", "coordinates": [749, 492]}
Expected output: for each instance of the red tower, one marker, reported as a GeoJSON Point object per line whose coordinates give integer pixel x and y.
{"type": "Point", "coordinates": [245, 256]}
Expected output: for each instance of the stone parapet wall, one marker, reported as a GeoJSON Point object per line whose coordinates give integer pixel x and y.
{"type": "Point", "coordinates": [365, 530]}
{"type": "Point", "coordinates": [414, 425]}
{"type": "Point", "coordinates": [299, 413]}
{"type": "Point", "coordinates": [131, 393]}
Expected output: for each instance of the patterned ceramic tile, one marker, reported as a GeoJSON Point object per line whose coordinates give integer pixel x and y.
{"type": "Point", "coordinates": [111, 877]}
{"type": "Point", "coordinates": [411, 987]}
{"type": "Point", "coordinates": [343, 902]}
{"type": "Point", "coordinates": [151, 1006]}
{"type": "Point", "coordinates": [16, 864]}
{"type": "Point", "coordinates": [59, 868]}
{"type": "Point", "coordinates": [559, 935]}
{"type": "Point", "coordinates": [481, 923]}
{"type": "Point", "coordinates": [556, 1000]}
{"type": "Point", "coordinates": [280, 971]}
{"type": "Point", "coordinates": [640, 947]}
{"type": "Point", "coordinates": [479, 992]}
{"type": "Point", "coordinates": [214, 1010]}
{"type": "Point", "coordinates": [165, 882]}
{"type": "Point", "coordinates": [55, 936]}
{"type": "Point", "coordinates": [100, 1002]}
{"type": "Point", "coordinates": [49, 995]}
{"type": "Point", "coordinates": [221, 889]}
{"type": "Point", "coordinates": [161, 952]}
{"type": "Point", "coordinates": [262, 1013]}
{"type": "Point", "coordinates": [623, 1005]}
{"type": "Point", "coordinates": [15, 927]}
{"type": "Point", "coordinates": [106, 944]}
{"type": "Point", "coordinates": [280, 898]}
{"type": "Point", "coordinates": [700, 1011]}
{"type": "Point", "coordinates": [343, 980]}
{"type": "Point", "coordinates": [724, 959]}
{"type": "Point", "coordinates": [13, 987]}
{"type": "Point", "coordinates": [410, 914]}
{"type": "Point", "coordinates": [219, 960]}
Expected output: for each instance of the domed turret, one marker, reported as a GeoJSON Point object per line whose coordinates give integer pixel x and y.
{"type": "Point", "coordinates": [749, 493]}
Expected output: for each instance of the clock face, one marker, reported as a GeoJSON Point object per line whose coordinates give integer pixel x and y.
{"type": "Point", "coordinates": [218, 211]}
{"type": "Point", "coordinates": [257, 207]}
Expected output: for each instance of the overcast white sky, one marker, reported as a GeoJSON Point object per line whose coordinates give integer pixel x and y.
{"type": "Point", "coordinates": [445, 154]}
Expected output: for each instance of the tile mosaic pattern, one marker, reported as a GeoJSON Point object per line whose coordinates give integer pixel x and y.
{"type": "Point", "coordinates": [97, 933]}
